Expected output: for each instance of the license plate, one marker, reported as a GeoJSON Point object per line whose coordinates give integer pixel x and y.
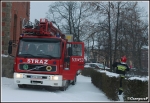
{"type": "Point", "coordinates": [36, 77]}
{"type": "Point", "coordinates": [36, 82]}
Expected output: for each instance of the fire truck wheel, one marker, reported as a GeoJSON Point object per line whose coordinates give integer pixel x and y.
{"type": "Point", "coordinates": [65, 87]}
{"type": "Point", "coordinates": [21, 86]}
{"type": "Point", "coordinates": [74, 81]}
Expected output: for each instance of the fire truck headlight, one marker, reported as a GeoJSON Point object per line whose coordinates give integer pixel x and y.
{"type": "Point", "coordinates": [19, 75]}
{"type": "Point", "coordinates": [54, 77]}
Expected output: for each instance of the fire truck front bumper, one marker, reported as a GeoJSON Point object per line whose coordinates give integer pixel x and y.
{"type": "Point", "coordinates": [38, 79]}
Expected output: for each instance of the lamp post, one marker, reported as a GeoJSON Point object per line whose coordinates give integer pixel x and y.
{"type": "Point", "coordinates": [88, 50]}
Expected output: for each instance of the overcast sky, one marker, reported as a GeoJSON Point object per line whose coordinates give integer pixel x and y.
{"type": "Point", "coordinates": [38, 9]}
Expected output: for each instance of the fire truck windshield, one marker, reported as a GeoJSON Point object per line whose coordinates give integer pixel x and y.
{"type": "Point", "coordinates": [39, 47]}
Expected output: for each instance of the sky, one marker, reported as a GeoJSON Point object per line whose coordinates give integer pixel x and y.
{"type": "Point", "coordinates": [38, 9]}
{"type": "Point", "coordinates": [83, 91]}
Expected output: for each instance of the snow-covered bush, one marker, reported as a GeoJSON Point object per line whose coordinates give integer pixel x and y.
{"type": "Point", "coordinates": [108, 82]}
{"type": "Point", "coordinates": [136, 87]}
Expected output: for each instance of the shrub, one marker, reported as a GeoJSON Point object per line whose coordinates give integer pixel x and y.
{"type": "Point", "coordinates": [110, 83]}
{"type": "Point", "coordinates": [86, 72]}
{"type": "Point", "coordinates": [136, 89]}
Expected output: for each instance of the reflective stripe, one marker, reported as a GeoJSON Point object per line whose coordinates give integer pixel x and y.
{"type": "Point", "coordinates": [121, 89]}
{"type": "Point", "coordinates": [121, 75]}
{"type": "Point", "coordinates": [121, 67]}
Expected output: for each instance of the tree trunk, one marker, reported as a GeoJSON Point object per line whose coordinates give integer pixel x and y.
{"type": "Point", "coordinates": [116, 33]}
{"type": "Point", "coordinates": [110, 42]}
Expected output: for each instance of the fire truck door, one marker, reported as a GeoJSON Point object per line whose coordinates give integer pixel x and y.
{"type": "Point", "coordinates": [77, 56]}
{"type": "Point", "coordinates": [76, 59]}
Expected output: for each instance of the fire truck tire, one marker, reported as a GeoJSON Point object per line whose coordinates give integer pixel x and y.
{"type": "Point", "coordinates": [74, 81]}
{"type": "Point", "coordinates": [64, 88]}
{"type": "Point", "coordinates": [22, 86]}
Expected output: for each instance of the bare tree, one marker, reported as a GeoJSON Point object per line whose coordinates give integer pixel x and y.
{"type": "Point", "coordinates": [70, 16]}
{"type": "Point", "coordinates": [115, 26]}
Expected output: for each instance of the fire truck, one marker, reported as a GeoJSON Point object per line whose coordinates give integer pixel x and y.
{"type": "Point", "coordinates": [46, 57]}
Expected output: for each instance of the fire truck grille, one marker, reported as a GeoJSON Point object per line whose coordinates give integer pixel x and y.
{"type": "Point", "coordinates": [34, 67]}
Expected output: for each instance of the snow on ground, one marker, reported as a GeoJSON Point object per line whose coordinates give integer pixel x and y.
{"type": "Point", "coordinates": [84, 90]}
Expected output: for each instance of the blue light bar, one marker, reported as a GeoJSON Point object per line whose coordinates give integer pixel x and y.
{"type": "Point", "coordinates": [58, 35]}
{"type": "Point", "coordinates": [21, 35]}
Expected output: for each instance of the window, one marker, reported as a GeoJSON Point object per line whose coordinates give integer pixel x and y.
{"type": "Point", "coordinates": [33, 47]}
{"type": "Point", "coordinates": [76, 49]}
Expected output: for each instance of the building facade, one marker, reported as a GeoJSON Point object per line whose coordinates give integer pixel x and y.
{"type": "Point", "coordinates": [12, 15]}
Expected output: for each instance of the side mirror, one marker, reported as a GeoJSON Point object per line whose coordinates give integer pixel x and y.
{"type": "Point", "coordinates": [67, 59]}
{"type": "Point", "coordinates": [70, 51]}
{"type": "Point", "coordinates": [10, 47]}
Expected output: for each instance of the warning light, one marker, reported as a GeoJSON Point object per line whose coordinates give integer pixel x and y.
{"type": "Point", "coordinates": [58, 35]}
{"type": "Point", "coordinates": [21, 35]}
{"type": "Point", "coordinates": [69, 38]}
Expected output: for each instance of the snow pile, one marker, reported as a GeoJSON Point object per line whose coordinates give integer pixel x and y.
{"type": "Point", "coordinates": [3, 55]}
{"type": "Point", "coordinates": [106, 67]}
{"type": "Point", "coordinates": [110, 74]}
{"type": "Point", "coordinates": [145, 47]}
{"type": "Point", "coordinates": [85, 58]}
{"type": "Point", "coordinates": [86, 66]}
{"type": "Point", "coordinates": [140, 78]}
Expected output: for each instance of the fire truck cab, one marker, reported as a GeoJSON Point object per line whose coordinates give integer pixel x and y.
{"type": "Point", "coordinates": [46, 57]}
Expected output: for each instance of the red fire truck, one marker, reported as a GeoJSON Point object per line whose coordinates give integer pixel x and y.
{"type": "Point", "coordinates": [45, 57]}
